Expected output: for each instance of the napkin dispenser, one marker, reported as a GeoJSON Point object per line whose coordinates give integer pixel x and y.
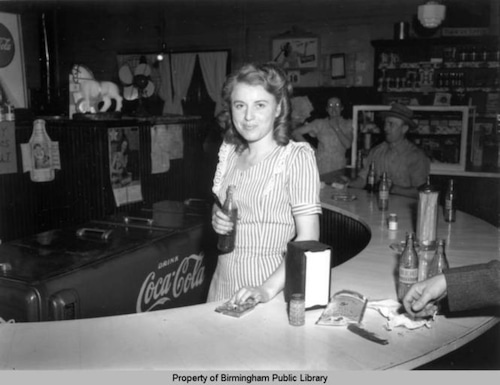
{"type": "Point", "coordinates": [307, 271]}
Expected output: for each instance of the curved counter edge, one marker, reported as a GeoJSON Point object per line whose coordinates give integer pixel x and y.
{"type": "Point", "coordinates": [197, 338]}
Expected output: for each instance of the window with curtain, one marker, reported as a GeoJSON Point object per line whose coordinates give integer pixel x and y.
{"type": "Point", "coordinates": [188, 83]}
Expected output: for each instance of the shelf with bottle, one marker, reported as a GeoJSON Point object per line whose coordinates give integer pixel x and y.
{"type": "Point", "coordinates": [460, 50]}
{"type": "Point", "coordinates": [485, 145]}
{"type": "Point", "coordinates": [428, 77]}
{"type": "Point", "coordinates": [467, 68]}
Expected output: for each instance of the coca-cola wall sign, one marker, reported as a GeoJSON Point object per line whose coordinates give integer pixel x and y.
{"type": "Point", "coordinates": [7, 46]}
{"type": "Point", "coordinates": [13, 92]}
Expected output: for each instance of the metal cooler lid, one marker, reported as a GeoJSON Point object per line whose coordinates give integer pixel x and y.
{"type": "Point", "coordinates": [60, 251]}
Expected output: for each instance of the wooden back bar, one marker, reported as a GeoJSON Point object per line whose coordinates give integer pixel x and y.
{"type": "Point", "coordinates": [198, 338]}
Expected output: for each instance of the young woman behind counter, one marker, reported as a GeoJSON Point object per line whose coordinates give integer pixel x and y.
{"type": "Point", "coordinates": [277, 185]}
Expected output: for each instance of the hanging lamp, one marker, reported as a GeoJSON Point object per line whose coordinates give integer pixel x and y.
{"type": "Point", "coordinates": [431, 14]}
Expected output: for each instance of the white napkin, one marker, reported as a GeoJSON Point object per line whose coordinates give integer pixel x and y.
{"type": "Point", "coordinates": [389, 309]}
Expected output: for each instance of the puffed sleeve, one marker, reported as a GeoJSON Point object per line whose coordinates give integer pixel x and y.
{"type": "Point", "coordinates": [303, 180]}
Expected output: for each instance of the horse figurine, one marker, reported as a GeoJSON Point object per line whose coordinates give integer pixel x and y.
{"type": "Point", "coordinates": [91, 92]}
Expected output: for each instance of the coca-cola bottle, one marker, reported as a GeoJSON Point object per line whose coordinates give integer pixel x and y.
{"type": "Point", "coordinates": [439, 262]}
{"type": "Point", "coordinates": [370, 179]}
{"type": "Point", "coordinates": [383, 193]}
{"type": "Point", "coordinates": [226, 242]}
{"type": "Point", "coordinates": [450, 202]}
{"type": "Point", "coordinates": [408, 267]}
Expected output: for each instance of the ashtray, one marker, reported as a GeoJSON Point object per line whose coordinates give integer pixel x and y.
{"type": "Point", "coordinates": [236, 310]}
{"type": "Point", "coordinates": [345, 307]}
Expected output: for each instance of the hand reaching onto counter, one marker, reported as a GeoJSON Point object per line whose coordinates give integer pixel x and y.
{"type": "Point", "coordinates": [257, 293]}
{"type": "Point", "coordinates": [421, 300]}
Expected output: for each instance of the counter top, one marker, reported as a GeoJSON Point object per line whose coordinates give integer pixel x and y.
{"type": "Point", "coordinates": [198, 338]}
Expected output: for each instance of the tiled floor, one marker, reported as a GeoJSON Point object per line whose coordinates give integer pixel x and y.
{"type": "Point", "coordinates": [481, 354]}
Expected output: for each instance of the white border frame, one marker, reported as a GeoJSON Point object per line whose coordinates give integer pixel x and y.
{"type": "Point", "coordinates": [435, 167]}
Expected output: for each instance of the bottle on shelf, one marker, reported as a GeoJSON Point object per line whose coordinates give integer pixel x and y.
{"type": "Point", "coordinates": [226, 242]}
{"type": "Point", "coordinates": [359, 160]}
{"type": "Point", "coordinates": [383, 193]}
{"type": "Point", "coordinates": [370, 179]}
{"type": "Point", "coordinates": [439, 261]}
{"type": "Point", "coordinates": [450, 202]}
{"type": "Point", "coordinates": [408, 267]}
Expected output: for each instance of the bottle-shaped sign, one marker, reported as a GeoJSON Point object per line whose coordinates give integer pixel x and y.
{"type": "Point", "coordinates": [383, 193]}
{"type": "Point", "coordinates": [42, 164]}
{"type": "Point", "coordinates": [450, 202]}
{"type": "Point", "coordinates": [370, 179]}
{"type": "Point", "coordinates": [226, 241]}
{"type": "Point", "coordinates": [408, 267]}
{"type": "Point", "coordinates": [439, 262]}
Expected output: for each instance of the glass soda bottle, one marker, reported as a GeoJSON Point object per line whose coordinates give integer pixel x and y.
{"type": "Point", "coordinates": [408, 267]}
{"type": "Point", "coordinates": [383, 193]}
{"type": "Point", "coordinates": [226, 242]}
{"type": "Point", "coordinates": [370, 179]}
{"type": "Point", "coordinates": [450, 202]}
{"type": "Point", "coordinates": [439, 261]}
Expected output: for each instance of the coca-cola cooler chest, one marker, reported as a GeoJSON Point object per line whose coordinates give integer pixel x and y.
{"type": "Point", "coordinates": [103, 268]}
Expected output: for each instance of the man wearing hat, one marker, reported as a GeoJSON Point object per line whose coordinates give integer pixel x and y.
{"type": "Point", "coordinates": [407, 166]}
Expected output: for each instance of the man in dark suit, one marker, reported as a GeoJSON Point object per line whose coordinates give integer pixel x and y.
{"type": "Point", "coordinates": [466, 288]}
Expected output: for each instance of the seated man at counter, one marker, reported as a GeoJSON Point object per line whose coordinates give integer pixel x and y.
{"type": "Point", "coordinates": [407, 165]}
{"type": "Point", "coordinates": [467, 288]}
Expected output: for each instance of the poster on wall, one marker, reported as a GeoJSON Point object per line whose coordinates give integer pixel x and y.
{"type": "Point", "coordinates": [124, 164]}
{"type": "Point", "coordinates": [166, 144]}
{"type": "Point", "coordinates": [13, 91]}
{"type": "Point", "coordinates": [296, 52]}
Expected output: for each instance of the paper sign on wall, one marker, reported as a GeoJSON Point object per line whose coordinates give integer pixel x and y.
{"type": "Point", "coordinates": [166, 144]}
{"type": "Point", "coordinates": [8, 156]}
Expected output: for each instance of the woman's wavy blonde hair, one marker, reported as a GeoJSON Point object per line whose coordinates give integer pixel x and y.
{"type": "Point", "coordinates": [272, 77]}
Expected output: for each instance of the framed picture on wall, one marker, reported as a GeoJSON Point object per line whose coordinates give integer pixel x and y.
{"type": "Point", "coordinates": [296, 52]}
{"type": "Point", "coordinates": [13, 91]}
{"type": "Point", "coordinates": [337, 64]}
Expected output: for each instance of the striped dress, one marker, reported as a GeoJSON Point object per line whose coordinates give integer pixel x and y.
{"type": "Point", "coordinates": [268, 196]}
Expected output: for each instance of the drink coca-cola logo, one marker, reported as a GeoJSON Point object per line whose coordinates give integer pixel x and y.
{"type": "Point", "coordinates": [159, 288]}
{"type": "Point", "coordinates": [7, 47]}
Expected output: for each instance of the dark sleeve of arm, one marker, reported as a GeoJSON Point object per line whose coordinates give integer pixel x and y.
{"type": "Point", "coordinates": [474, 286]}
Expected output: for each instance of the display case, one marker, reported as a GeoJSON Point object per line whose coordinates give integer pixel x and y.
{"type": "Point", "coordinates": [441, 132]}
{"type": "Point", "coordinates": [443, 72]}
